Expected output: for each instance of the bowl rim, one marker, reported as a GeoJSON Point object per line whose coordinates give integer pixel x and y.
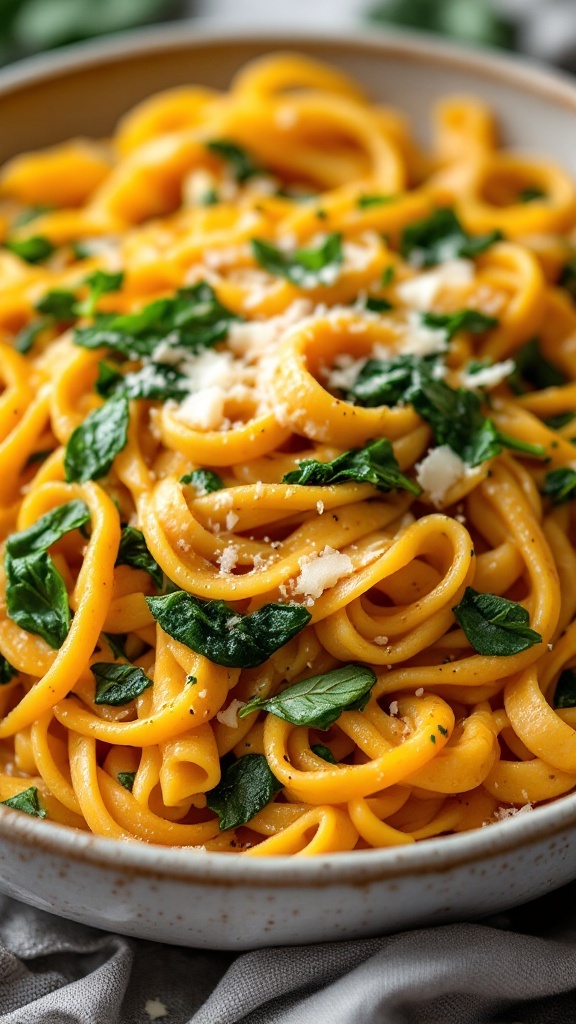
{"type": "Point", "coordinates": [193, 864]}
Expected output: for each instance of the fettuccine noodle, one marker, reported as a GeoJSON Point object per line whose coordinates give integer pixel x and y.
{"type": "Point", "coordinates": [302, 238]}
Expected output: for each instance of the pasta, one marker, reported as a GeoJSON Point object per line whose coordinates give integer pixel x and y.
{"type": "Point", "coordinates": [287, 465]}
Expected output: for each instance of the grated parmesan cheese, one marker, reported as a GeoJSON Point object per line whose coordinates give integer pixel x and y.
{"type": "Point", "coordinates": [439, 470]}
{"type": "Point", "coordinates": [489, 376]}
{"type": "Point", "coordinates": [229, 717]}
{"type": "Point", "coordinates": [419, 292]}
{"type": "Point", "coordinates": [381, 640]}
{"type": "Point", "coordinates": [420, 340]}
{"type": "Point", "coordinates": [228, 559]}
{"type": "Point", "coordinates": [231, 520]}
{"type": "Point", "coordinates": [322, 571]}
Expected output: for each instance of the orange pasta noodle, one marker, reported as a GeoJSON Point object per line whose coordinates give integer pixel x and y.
{"type": "Point", "coordinates": [287, 464]}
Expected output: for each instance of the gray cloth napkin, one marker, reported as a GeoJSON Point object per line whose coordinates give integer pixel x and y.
{"type": "Point", "coordinates": [517, 968]}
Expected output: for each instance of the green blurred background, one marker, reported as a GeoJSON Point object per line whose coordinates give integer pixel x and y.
{"type": "Point", "coordinates": [543, 28]}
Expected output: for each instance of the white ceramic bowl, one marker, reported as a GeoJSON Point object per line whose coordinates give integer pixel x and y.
{"type": "Point", "coordinates": [217, 900]}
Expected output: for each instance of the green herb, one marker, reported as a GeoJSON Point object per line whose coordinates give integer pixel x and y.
{"type": "Point", "coordinates": [100, 282]}
{"type": "Point", "coordinates": [27, 336]}
{"type": "Point", "coordinates": [306, 268]}
{"type": "Point", "coordinates": [560, 485]}
{"type": "Point", "coordinates": [116, 644]}
{"type": "Point", "coordinates": [94, 444]}
{"type": "Point", "coordinates": [36, 597]}
{"type": "Point", "coordinates": [320, 700]}
{"type": "Point", "coordinates": [532, 368]}
{"type": "Point", "coordinates": [27, 801]}
{"type": "Point", "coordinates": [494, 625]}
{"type": "Point", "coordinates": [59, 304]}
{"type": "Point", "coordinates": [7, 671]}
{"type": "Point", "coordinates": [559, 421]}
{"type": "Point", "coordinates": [35, 249]}
{"type": "Point", "coordinates": [246, 787]}
{"type": "Point", "coordinates": [118, 684]}
{"type": "Point", "coordinates": [464, 320]}
{"type": "Point", "coordinates": [456, 419]}
{"type": "Point", "coordinates": [476, 22]}
{"type": "Point", "coordinates": [454, 414]}
{"type": "Point", "coordinates": [210, 198]}
{"type": "Point", "coordinates": [375, 464]}
{"type": "Point", "coordinates": [30, 214]}
{"type": "Point", "coordinates": [156, 382]}
{"type": "Point", "coordinates": [241, 163]}
{"type": "Point", "coordinates": [191, 680]}
{"type": "Point", "coordinates": [376, 305]}
{"type": "Point", "coordinates": [432, 738]}
{"type": "Point", "coordinates": [134, 552]}
{"type": "Point", "coordinates": [388, 381]}
{"type": "Point", "coordinates": [126, 779]}
{"type": "Point", "coordinates": [228, 638]}
{"type": "Point", "coordinates": [38, 457]}
{"type": "Point", "coordinates": [442, 730]}
{"type": "Point", "coordinates": [528, 195]}
{"type": "Point", "coordinates": [365, 202]}
{"type": "Point", "coordinates": [193, 319]}
{"type": "Point", "coordinates": [30, 26]}
{"type": "Point", "coordinates": [324, 752]}
{"type": "Point", "coordinates": [565, 693]}
{"type": "Point", "coordinates": [203, 480]}
{"type": "Point", "coordinates": [48, 530]}
{"type": "Point", "coordinates": [441, 237]}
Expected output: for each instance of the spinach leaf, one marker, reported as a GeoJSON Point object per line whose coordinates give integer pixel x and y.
{"type": "Point", "coordinates": [58, 304]}
{"type": "Point", "coordinates": [562, 419]}
{"type": "Point", "coordinates": [479, 24]}
{"type": "Point", "coordinates": [376, 305]}
{"type": "Point", "coordinates": [100, 282]}
{"type": "Point", "coordinates": [456, 419]}
{"type": "Point", "coordinates": [29, 214]}
{"type": "Point", "coordinates": [560, 485]}
{"type": "Point", "coordinates": [7, 671]}
{"type": "Point", "coordinates": [243, 166]}
{"type": "Point", "coordinates": [95, 443]}
{"type": "Point", "coordinates": [192, 319]}
{"type": "Point", "coordinates": [126, 779]}
{"type": "Point", "coordinates": [36, 597]}
{"type": "Point", "coordinates": [27, 336]}
{"type": "Point", "coordinates": [156, 382]}
{"type": "Point", "coordinates": [441, 237]}
{"type": "Point", "coordinates": [365, 202]}
{"type": "Point", "coordinates": [133, 551]}
{"type": "Point", "coordinates": [35, 249]}
{"type": "Point", "coordinates": [375, 464]}
{"type": "Point", "coordinates": [320, 700]}
{"type": "Point", "coordinates": [494, 625]}
{"type": "Point", "coordinates": [565, 693]}
{"type": "Point", "coordinates": [203, 480]}
{"type": "Point", "coordinates": [534, 369]}
{"type": "Point", "coordinates": [454, 414]}
{"type": "Point", "coordinates": [49, 529]}
{"type": "Point", "coordinates": [463, 320]}
{"type": "Point", "coordinates": [306, 268]}
{"type": "Point", "coordinates": [528, 195]}
{"type": "Point", "coordinates": [228, 638]}
{"type": "Point", "coordinates": [324, 752]}
{"type": "Point", "coordinates": [27, 801]}
{"type": "Point", "coordinates": [116, 642]}
{"type": "Point", "coordinates": [389, 381]}
{"type": "Point", "coordinates": [118, 684]}
{"type": "Point", "coordinates": [246, 787]}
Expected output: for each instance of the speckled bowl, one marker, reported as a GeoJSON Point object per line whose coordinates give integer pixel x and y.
{"type": "Point", "coordinates": [216, 900]}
